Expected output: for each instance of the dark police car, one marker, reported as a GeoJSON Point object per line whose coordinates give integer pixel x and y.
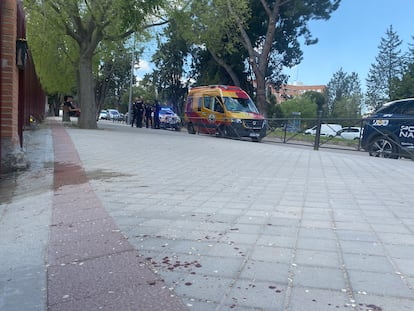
{"type": "Point", "coordinates": [389, 132]}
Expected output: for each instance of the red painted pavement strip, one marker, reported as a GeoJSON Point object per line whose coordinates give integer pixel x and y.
{"type": "Point", "coordinates": [92, 266]}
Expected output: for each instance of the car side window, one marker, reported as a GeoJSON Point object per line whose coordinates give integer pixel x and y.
{"type": "Point", "coordinates": [396, 108]}
{"type": "Point", "coordinates": [200, 103]}
{"type": "Point", "coordinates": [399, 108]}
{"type": "Point", "coordinates": [207, 102]}
{"type": "Point", "coordinates": [217, 106]}
{"type": "Point", "coordinates": [409, 108]}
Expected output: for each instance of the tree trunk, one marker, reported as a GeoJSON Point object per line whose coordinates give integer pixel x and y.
{"type": "Point", "coordinates": [87, 119]}
{"type": "Point", "coordinates": [261, 94]}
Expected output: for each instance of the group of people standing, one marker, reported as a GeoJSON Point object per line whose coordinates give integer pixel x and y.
{"type": "Point", "coordinates": [142, 111]}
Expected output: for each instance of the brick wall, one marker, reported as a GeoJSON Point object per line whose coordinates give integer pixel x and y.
{"type": "Point", "coordinates": [12, 156]}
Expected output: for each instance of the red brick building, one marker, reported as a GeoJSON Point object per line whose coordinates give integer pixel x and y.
{"type": "Point", "coordinates": [21, 96]}
{"type": "Point", "coordinates": [288, 91]}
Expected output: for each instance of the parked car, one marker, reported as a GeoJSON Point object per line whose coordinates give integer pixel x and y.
{"type": "Point", "coordinates": [330, 130]}
{"type": "Point", "coordinates": [114, 115]}
{"type": "Point", "coordinates": [350, 132]}
{"type": "Point", "coordinates": [389, 132]}
{"type": "Point", "coordinates": [121, 117]}
{"type": "Point", "coordinates": [103, 115]}
{"type": "Point", "coordinates": [169, 119]}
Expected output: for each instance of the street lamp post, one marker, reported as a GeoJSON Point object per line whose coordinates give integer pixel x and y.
{"type": "Point", "coordinates": [134, 66]}
{"type": "Point", "coordinates": [130, 90]}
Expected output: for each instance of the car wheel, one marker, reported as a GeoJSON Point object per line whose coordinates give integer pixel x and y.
{"type": "Point", "coordinates": [190, 128]}
{"type": "Point", "coordinates": [383, 147]}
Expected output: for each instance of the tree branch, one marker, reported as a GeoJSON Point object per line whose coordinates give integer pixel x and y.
{"type": "Point", "coordinates": [227, 67]}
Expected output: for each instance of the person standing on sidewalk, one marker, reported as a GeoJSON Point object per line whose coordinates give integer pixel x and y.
{"type": "Point", "coordinates": [134, 112]}
{"type": "Point", "coordinates": [140, 111]}
{"type": "Point", "coordinates": [148, 115]}
{"type": "Point", "coordinates": [157, 109]}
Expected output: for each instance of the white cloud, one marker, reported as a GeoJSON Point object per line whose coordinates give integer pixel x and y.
{"type": "Point", "coordinates": [144, 66]}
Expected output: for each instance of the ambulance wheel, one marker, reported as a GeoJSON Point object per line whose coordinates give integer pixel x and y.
{"type": "Point", "coordinates": [190, 128]}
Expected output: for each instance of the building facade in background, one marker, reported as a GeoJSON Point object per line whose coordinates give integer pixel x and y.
{"type": "Point", "coordinates": [289, 91]}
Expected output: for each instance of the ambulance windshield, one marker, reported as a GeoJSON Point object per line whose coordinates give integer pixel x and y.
{"type": "Point", "coordinates": [240, 104]}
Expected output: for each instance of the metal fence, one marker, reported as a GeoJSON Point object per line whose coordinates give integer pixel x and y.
{"type": "Point", "coordinates": [340, 133]}
{"type": "Point", "coordinates": [284, 130]}
{"type": "Point", "coordinates": [309, 132]}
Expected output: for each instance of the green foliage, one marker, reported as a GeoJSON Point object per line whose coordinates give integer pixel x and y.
{"type": "Point", "coordinates": [320, 99]}
{"type": "Point", "coordinates": [388, 66]}
{"type": "Point", "coordinates": [344, 95]}
{"type": "Point", "coordinates": [265, 33]}
{"type": "Point", "coordinates": [55, 54]}
{"type": "Point", "coordinates": [145, 89]}
{"type": "Point", "coordinates": [274, 110]}
{"type": "Point", "coordinates": [404, 87]}
{"type": "Point", "coordinates": [112, 79]}
{"type": "Point", "coordinates": [88, 24]}
{"type": "Point", "coordinates": [170, 61]}
{"type": "Point", "coordinates": [305, 105]}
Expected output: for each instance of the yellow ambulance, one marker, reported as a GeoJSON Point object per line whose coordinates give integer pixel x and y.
{"type": "Point", "coordinates": [223, 110]}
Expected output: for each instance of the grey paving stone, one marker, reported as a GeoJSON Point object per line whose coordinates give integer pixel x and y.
{"type": "Point", "coordinates": [305, 299]}
{"type": "Point", "coordinates": [362, 247]}
{"type": "Point", "coordinates": [319, 277]}
{"type": "Point", "coordinates": [391, 228]}
{"type": "Point", "coordinates": [205, 288]}
{"type": "Point", "coordinates": [229, 250]}
{"type": "Point", "coordinates": [396, 238]}
{"type": "Point", "coordinates": [317, 233]}
{"type": "Point", "coordinates": [265, 271]}
{"type": "Point", "coordinates": [280, 230]}
{"type": "Point", "coordinates": [273, 254]}
{"type": "Point", "coordinates": [371, 302]}
{"type": "Point", "coordinates": [406, 266]}
{"type": "Point", "coordinates": [354, 235]}
{"type": "Point", "coordinates": [378, 283]}
{"type": "Point", "coordinates": [317, 258]}
{"type": "Point", "coordinates": [257, 295]}
{"type": "Point", "coordinates": [23, 288]}
{"type": "Point", "coordinates": [400, 251]}
{"type": "Point", "coordinates": [277, 240]}
{"type": "Point", "coordinates": [367, 262]}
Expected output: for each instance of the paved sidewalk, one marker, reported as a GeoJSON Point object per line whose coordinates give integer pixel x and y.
{"type": "Point", "coordinates": [217, 224]}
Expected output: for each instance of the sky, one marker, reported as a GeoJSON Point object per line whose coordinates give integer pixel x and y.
{"type": "Point", "coordinates": [348, 40]}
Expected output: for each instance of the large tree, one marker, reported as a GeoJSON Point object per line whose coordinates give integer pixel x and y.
{"type": "Point", "coordinates": [86, 24]}
{"type": "Point", "coordinates": [388, 66]}
{"type": "Point", "coordinates": [113, 78]}
{"type": "Point", "coordinates": [344, 95]}
{"type": "Point", "coordinates": [404, 87]}
{"type": "Point", "coordinates": [268, 30]}
{"type": "Point", "coordinates": [301, 104]}
{"type": "Point", "coordinates": [170, 62]}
